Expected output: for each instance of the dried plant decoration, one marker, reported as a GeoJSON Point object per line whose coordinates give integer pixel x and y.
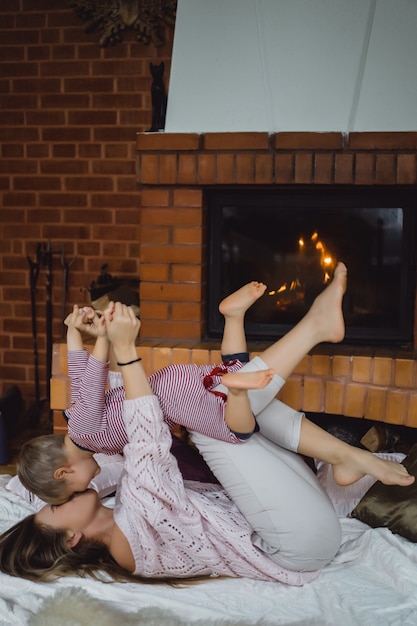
{"type": "Point", "coordinates": [112, 17]}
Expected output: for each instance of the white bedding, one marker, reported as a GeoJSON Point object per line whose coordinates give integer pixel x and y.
{"type": "Point", "coordinates": [372, 581]}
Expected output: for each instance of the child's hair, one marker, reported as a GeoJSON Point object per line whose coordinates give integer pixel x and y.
{"type": "Point", "coordinates": [37, 461]}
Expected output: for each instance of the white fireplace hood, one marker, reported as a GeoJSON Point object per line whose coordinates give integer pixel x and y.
{"type": "Point", "coordinates": [293, 65]}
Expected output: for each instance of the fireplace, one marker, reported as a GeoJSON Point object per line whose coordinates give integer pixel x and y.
{"type": "Point", "coordinates": [291, 237]}
{"type": "Point", "coordinates": [178, 173]}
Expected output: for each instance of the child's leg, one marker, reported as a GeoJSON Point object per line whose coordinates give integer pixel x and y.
{"type": "Point", "coordinates": [238, 414]}
{"type": "Point", "coordinates": [277, 492]}
{"type": "Point", "coordinates": [233, 309]}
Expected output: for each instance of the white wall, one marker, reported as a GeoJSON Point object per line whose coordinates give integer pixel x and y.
{"type": "Point", "coordinates": [294, 65]}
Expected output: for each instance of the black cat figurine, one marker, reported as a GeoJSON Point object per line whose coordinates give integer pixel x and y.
{"type": "Point", "coordinates": [159, 97]}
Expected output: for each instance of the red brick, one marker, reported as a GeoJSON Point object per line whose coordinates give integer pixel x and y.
{"type": "Point", "coordinates": [169, 292]}
{"type": "Point", "coordinates": [63, 199]}
{"type": "Point", "coordinates": [183, 236]}
{"type": "Point", "coordinates": [12, 199]}
{"type": "Point", "coordinates": [187, 169]}
{"type": "Point", "coordinates": [264, 169]}
{"type": "Point", "coordinates": [323, 168]}
{"type": "Point", "coordinates": [64, 68]}
{"type": "Point", "coordinates": [308, 141]}
{"type": "Point", "coordinates": [46, 183]}
{"type": "Point", "coordinates": [188, 198]}
{"type": "Point", "coordinates": [66, 134]}
{"type": "Point", "coordinates": [113, 166]}
{"type": "Point", "coordinates": [39, 53]}
{"type": "Point", "coordinates": [169, 141]}
{"type": "Point", "coordinates": [183, 311]}
{"type": "Point", "coordinates": [245, 169]}
{"type": "Point", "coordinates": [171, 254]}
{"type": "Point", "coordinates": [406, 169]}
{"type": "Point", "coordinates": [385, 169]}
{"type": "Point", "coordinates": [115, 200]}
{"type": "Point", "coordinates": [170, 330]}
{"type": "Point", "coordinates": [88, 183]}
{"type": "Point", "coordinates": [153, 198]}
{"type": "Point", "coordinates": [206, 169]}
{"type": "Point", "coordinates": [236, 141]}
{"type": "Point", "coordinates": [284, 168]}
{"type": "Point", "coordinates": [154, 272]}
{"type": "Point", "coordinates": [168, 169]}
{"type": "Point", "coordinates": [383, 141]}
{"type": "Point", "coordinates": [159, 235]}
{"type": "Point", "coordinates": [148, 173]}
{"type": "Point", "coordinates": [36, 85]}
{"type": "Point", "coordinates": [364, 169]}
{"type": "Point", "coordinates": [12, 150]}
{"type": "Point", "coordinates": [154, 310]}
{"type": "Point", "coordinates": [64, 150]}
{"type": "Point", "coordinates": [115, 101]}
{"type": "Point", "coordinates": [186, 273]}
{"type": "Point", "coordinates": [225, 169]}
{"type": "Point", "coordinates": [303, 168]}
{"type": "Point", "coordinates": [90, 118]}
{"type": "Point", "coordinates": [343, 173]}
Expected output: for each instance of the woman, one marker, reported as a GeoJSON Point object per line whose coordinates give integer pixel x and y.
{"type": "Point", "coordinates": [162, 529]}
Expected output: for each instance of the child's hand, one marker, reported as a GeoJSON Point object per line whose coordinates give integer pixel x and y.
{"type": "Point", "coordinates": [71, 319]}
{"type": "Point", "coordinates": [87, 320]}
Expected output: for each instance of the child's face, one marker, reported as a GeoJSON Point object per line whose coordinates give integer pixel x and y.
{"type": "Point", "coordinates": [80, 474]}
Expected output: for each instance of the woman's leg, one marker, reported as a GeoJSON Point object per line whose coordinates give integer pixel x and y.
{"type": "Point", "coordinates": [294, 521]}
{"type": "Point", "coordinates": [323, 322]}
{"type": "Point", "coordinates": [349, 463]}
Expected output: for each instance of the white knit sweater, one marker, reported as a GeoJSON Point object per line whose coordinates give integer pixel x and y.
{"type": "Point", "coordinates": [181, 529]}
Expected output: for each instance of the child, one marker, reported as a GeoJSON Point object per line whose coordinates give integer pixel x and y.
{"type": "Point", "coordinates": [55, 466]}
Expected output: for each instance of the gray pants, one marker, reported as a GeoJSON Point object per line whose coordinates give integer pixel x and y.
{"type": "Point", "coordinates": [293, 519]}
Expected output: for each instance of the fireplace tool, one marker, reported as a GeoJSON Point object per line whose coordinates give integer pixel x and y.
{"type": "Point", "coordinates": [44, 258]}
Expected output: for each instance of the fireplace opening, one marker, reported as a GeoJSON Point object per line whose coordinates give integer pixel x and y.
{"type": "Point", "coordinates": [291, 238]}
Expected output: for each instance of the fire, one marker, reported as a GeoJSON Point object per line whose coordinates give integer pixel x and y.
{"type": "Point", "coordinates": [312, 261]}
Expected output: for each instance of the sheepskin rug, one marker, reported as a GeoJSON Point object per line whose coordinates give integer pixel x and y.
{"type": "Point", "coordinates": [74, 607]}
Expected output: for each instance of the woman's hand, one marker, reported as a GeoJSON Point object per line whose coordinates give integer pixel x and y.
{"type": "Point", "coordinates": [122, 328]}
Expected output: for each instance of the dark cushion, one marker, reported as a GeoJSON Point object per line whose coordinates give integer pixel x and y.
{"type": "Point", "coordinates": [391, 506]}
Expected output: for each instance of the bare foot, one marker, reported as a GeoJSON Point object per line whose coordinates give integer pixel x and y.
{"type": "Point", "coordinates": [327, 308]}
{"type": "Point", "coordinates": [239, 301]}
{"type": "Point", "coordinates": [365, 463]}
{"type": "Point", "coordinates": [248, 380]}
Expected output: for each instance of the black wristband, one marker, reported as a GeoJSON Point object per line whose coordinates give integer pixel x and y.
{"type": "Point", "coordinates": [129, 362]}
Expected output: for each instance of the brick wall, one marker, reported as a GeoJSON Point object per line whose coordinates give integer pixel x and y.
{"type": "Point", "coordinates": [69, 115]}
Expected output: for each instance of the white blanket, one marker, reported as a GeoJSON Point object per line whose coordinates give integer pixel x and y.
{"type": "Point", "coordinates": [372, 581]}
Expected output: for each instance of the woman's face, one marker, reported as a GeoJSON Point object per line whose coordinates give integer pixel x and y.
{"type": "Point", "coordinates": [75, 515]}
